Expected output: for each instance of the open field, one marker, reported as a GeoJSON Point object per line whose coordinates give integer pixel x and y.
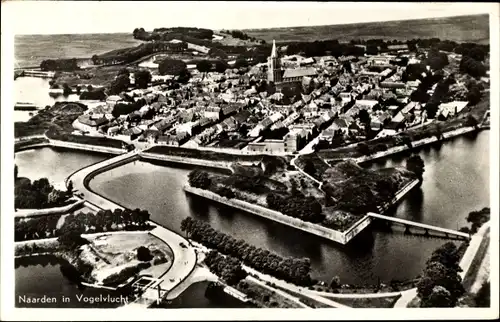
{"type": "Point", "coordinates": [474, 28]}
{"type": "Point", "coordinates": [30, 50]}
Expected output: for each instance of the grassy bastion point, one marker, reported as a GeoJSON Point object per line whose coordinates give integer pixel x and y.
{"type": "Point", "coordinates": [110, 258]}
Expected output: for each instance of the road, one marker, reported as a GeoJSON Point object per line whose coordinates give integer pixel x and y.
{"type": "Point", "coordinates": [185, 258]}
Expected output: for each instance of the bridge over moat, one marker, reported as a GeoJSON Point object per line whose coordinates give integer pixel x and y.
{"type": "Point", "coordinates": [423, 227]}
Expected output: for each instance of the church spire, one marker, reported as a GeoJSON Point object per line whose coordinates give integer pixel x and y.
{"type": "Point", "coordinates": [274, 52]}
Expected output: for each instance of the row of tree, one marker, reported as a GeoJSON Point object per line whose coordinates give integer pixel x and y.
{"type": "Point", "coordinates": [77, 224]}
{"type": "Point", "coordinates": [171, 33]}
{"type": "Point", "coordinates": [226, 267]}
{"type": "Point", "coordinates": [59, 64]}
{"type": "Point", "coordinates": [290, 269]}
{"type": "Point", "coordinates": [441, 284]}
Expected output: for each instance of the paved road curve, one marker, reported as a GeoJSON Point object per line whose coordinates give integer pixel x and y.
{"type": "Point", "coordinates": [185, 257]}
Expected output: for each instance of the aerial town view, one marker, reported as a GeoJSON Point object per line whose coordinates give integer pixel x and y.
{"type": "Point", "coordinates": [332, 166]}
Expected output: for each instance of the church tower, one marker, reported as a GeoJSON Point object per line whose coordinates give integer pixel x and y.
{"type": "Point", "coordinates": [275, 74]}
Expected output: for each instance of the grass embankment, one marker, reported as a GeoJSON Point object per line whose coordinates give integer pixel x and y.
{"type": "Point", "coordinates": [59, 117]}
{"type": "Point", "coordinates": [83, 139]}
{"type": "Point", "coordinates": [276, 161]}
{"type": "Point", "coordinates": [434, 129]}
{"type": "Point", "coordinates": [264, 297]}
{"type": "Point", "coordinates": [368, 302]}
{"type": "Point", "coordinates": [22, 144]}
{"type": "Point", "coordinates": [302, 298]}
{"type": "Point", "coordinates": [472, 273]}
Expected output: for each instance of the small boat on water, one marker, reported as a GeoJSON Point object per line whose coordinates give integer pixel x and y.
{"type": "Point", "coordinates": [25, 106]}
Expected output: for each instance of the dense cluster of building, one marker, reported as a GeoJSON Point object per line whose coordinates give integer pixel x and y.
{"type": "Point", "coordinates": [340, 99]}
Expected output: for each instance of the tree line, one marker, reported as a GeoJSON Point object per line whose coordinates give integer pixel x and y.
{"type": "Point", "coordinates": [172, 33]}
{"type": "Point", "coordinates": [59, 64]}
{"type": "Point", "coordinates": [77, 224]}
{"type": "Point", "coordinates": [290, 269]}
{"type": "Point", "coordinates": [441, 284]}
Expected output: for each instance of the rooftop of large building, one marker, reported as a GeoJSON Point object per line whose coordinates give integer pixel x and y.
{"type": "Point", "coordinates": [299, 72]}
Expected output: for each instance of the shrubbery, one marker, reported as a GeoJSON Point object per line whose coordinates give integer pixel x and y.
{"type": "Point", "coordinates": [37, 194]}
{"type": "Point", "coordinates": [441, 285]}
{"type": "Point", "coordinates": [143, 254]}
{"type": "Point", "coordinates": [226, 267]}
{"type": "Point", "coordinates": [297, 206]}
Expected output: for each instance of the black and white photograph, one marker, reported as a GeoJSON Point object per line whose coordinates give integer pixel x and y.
{"type": "Point", "coordinates": [171, 156]}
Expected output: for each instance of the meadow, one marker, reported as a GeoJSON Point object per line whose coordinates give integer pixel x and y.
{"type": "Point", "coordinates": [30, 50]}
{"type": "Point", "coordinates": [474, 28]}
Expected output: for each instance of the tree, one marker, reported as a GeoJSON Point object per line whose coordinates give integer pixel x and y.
{"type": "Point", "coordinates": [144, 254]}
{"type": "Point", "coordinates": [142, 78]}
{"type": "Point", "coordinates": [364, 116]}
{"type": "Point", "coordinates": [363, 148]}
{"type": "Point", "coordinates": [54, 197]}
{"type": "Point", "coordinates": [241, 62]}
{"type": "Point", "coordinates": [416, 165]}
{"type": "Point", "coordinates": [440, 297]}
{"type": "Point", "coordinates": [120, 84]}
{"type": "Point", "coordinates": [204, 66]}
{"type": "Point", "coordinates": [199, 179]}
{"type": "Point", "coordinates": [471, 121]}
{"type": "Point", "coordinates": [70, 187]}
{"type": "Point", "coordinates": [173, 67]}
{"type": "Point", "coordinates": [335, 282]}
{"type": "Point", "coordinates": [309, 168]}
{"type": "Point", "coordinates": [66, 89]}
{"type": "Point", "coordinates": [220, 66]}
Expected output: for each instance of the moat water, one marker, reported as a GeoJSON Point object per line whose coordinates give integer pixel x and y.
{"type": "Point", "coordinates": [456, 181]}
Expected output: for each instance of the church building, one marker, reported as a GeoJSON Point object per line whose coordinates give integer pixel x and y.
{"type": "Point", "coordinates": [280, 76]}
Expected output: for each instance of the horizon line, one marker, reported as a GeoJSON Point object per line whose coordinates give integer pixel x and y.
{"type": "Point", "coordinates": [267, 28]}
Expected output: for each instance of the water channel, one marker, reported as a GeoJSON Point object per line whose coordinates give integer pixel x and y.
{"type": "Point", "coordinates": [456, 181]}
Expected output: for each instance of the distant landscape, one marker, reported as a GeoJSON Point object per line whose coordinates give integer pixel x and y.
{"type": "Point", "coordinates": [474, 28]}
{"type": "Point", "coordinates": [30, 50]}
